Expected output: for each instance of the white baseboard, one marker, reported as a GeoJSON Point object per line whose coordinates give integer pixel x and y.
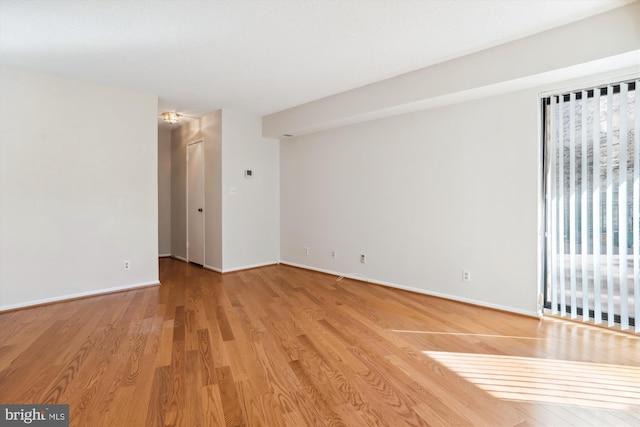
{"type": "Point", "coordinates": [164, 255]}
{"type": "Point", "coordinates": [356, 276]}
{"type": "Point", "coordinates": [216, 269]}
{"type": "Point", "coordinates": [247, 267]}
{"type": "Point", "coordinates": [321, 270]}
{"type": "Point", "coordinates": [79, 295]}
{"type": "Point", "coordinates": [230, 270]}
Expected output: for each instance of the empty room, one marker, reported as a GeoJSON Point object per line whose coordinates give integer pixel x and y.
{"type": "Point", "coordinates": [319, 213]}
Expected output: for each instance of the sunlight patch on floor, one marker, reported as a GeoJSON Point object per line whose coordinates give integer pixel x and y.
{"type": "Point", "coordinates": [547, 380]}
{"type": "Point", "coordinates": [465, 334]}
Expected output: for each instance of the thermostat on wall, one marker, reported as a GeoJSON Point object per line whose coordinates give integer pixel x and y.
{"type": "Point", "coordinates": [248, 173]}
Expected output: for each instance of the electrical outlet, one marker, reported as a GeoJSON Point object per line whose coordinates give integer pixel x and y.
{"type": "Point", "coordinates": [306, 250]}
{"type": "Point", "coordinates": [334, 254]}
{"type": "Point", "coordinates": [127, 265]}
{"type": "Point", "coordinates": [363, 259]}
{"type": "Point", "coordinates": [466, 275]}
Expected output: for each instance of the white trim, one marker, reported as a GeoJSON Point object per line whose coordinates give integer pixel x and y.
{"type": "Point", "coordinates": [179, 257]}
{"type": "Point", "coordinates": [80, 295]}
{"type": "Point", "coordinates": [247, 267]}
{"type": "Point", "coordinates": [164, 255]}
{"type": "Point", "coordinates": [542, 218]}
{"type": "Point", "coordinates": [594, 83]}
{"type": "Point", "coordinates": [209, 267]}
{"type": "Point", "coordinates": [321, 270]}
{"type": "Point", "coordinates": [419, 291]}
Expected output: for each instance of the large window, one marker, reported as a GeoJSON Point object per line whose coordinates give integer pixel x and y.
{"type": "Point", "coordinates": [592, 196]}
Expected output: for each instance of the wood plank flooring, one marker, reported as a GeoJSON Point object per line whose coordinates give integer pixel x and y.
{"type": "Point", "coordinates": [280, 346]}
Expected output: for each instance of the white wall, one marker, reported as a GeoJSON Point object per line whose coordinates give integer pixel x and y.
{"type": "Point", "coordinates": [423, 196]}
{"type": "Point", "coordinates": [212, 134]}
{"type": "Point", "coordinates": [438, 170]}
{"type": "Point", "coordinates": [164, 192]}
{"type": "Point", "coordinates": [250, 219]}
{"type": "Point", "coordinates": [242, 230]}
{"type": "Point", "coordinates": [78, 189]}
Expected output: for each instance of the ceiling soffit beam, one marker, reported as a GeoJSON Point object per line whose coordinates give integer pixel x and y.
{"type": "Point", "coordinates": [607, 41]}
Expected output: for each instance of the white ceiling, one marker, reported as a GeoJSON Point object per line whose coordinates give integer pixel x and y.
{"type": "Point", "coordinates": [261, 56]}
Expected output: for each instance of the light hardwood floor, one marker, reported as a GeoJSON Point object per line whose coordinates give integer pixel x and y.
{"type": "Point", "coordinates": [280, 346]}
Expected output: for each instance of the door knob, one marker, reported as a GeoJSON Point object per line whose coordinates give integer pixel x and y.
{"type": "Point", "coordinates": [199, 209]}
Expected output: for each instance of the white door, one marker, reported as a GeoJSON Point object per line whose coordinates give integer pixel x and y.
{"type": "Point", "coordinates": [195, 203]}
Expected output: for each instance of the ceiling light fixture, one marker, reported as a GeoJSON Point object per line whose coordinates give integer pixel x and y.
{"type": "Point", "coordinates": [171, 118]}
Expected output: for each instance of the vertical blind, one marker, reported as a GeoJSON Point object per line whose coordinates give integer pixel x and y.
{"type": "Point", "coordinates": [592, 204]}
